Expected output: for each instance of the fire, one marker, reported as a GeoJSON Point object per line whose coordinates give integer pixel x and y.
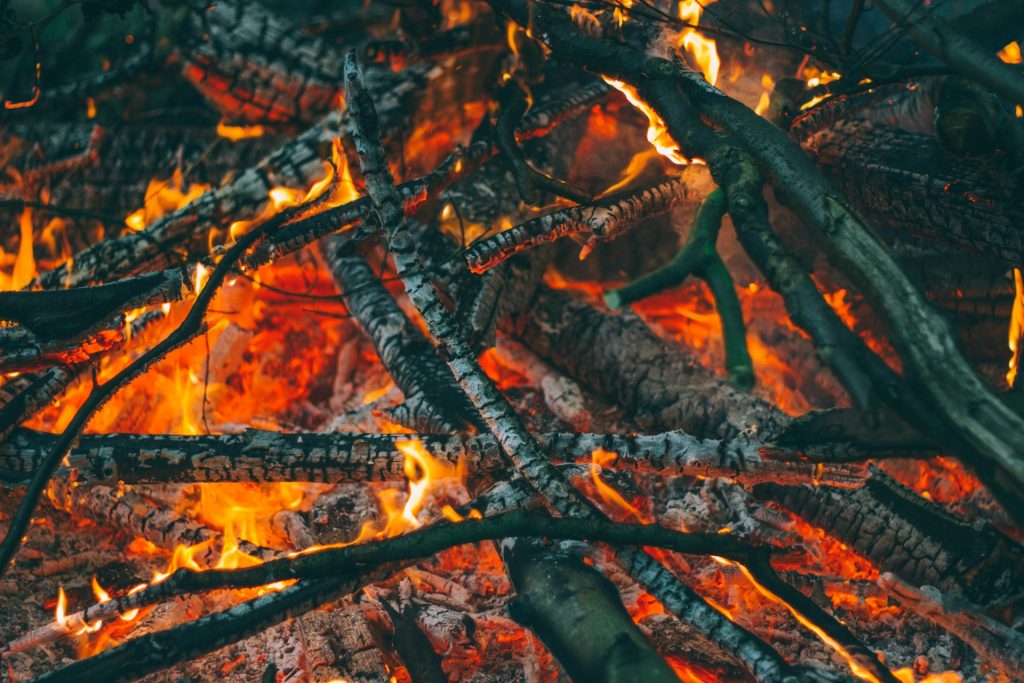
{"type": "Point", "coordinates": [599, 459]}
{"type": "Point", "coordinates": [703, 50]}
{"type": "Point", "coordinates": [657, 131]}
{"type": "Point", "coordinates": [1016, 326]}
{"type": "Point", "coordinates": [235, 133]}
{"type": "Point", "coordinates": [768, 83]}
{"type": "Point", "coordinates": [280, 198]}
{"type": "Point", "coordinates": [24, 269]}
{"type": "Point", "coordinates": [906, 675]}
{"type": "Point", "coordinates": [163, 197]}
{"type": "Point", "coordinates": [1010, 53]}
{"type": "Point", "coordinates": [427, 477]}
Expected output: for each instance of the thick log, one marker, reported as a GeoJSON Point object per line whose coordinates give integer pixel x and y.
{"type": "Point", "coordinates": [620, 359]}
{"type": "Point", "coordinates": [904, 181]}
{"type": "Point", "coordinates": [260, 456]}
{"type": "Point", "coordinates": [578, 614]}
{"type": "Point", "coordinates": [916, 540]}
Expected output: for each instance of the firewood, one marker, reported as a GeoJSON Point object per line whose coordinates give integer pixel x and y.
{"type": "Point", "coordinates": [521, 449]}
{"type": "Point", "coordinates": [1000, 645]}
{"type": "Point", "coordinates": [579, 616]}
{"type": "Point", "coordinates": [890, 174]}
{"type": "Point", "coordinates": [604, 219]}
{"type": "Point", "coordinates": [433, 402]}
{"type": "Point", "coordinates": [914, 539]}
{"type": "Point", "coordinates": [337, 457]}
{"type": "Point", "coordinates": [960, 52]}
{"type": "Point", "coordinates": [622, 360]}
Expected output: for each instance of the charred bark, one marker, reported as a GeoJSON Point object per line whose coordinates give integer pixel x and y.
{"type": "Point", "coordinates": [433, 401]}
{"type": "Point", "coordinates": [902, 533]}
{"type": "Point", "coordinates": [623, 361]}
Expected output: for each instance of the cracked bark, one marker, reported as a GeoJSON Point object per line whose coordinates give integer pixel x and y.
{"type": "Point", "coordinates": [914, 539]}
{"type": "Point", "coordinates": [620, 359]}
{"type": "Point", "coordinates": [259, 456]}
{"type": "Point", "coordinates": [433, 402]}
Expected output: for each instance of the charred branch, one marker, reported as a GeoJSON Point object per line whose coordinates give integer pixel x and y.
{"type": "Point", "coordinates": [620, 359]}
{"type": "Point", "coordinates": [902, 533]}
{"type": "Point", "coordinates": [259, 456]}
{"type": "Point", "coordinates": [432, 400]}
{"type": "Point", "coordinates": [578, 615]}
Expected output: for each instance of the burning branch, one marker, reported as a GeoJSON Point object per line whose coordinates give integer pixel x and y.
{"type": "Point", "coordinates": [262, 457]}
{"type": "Point", "coordinates": [981, 429]}
{"type": "Point", "coordinates": [952, 47]}
{"type": "Point", "coordinates": [605, 219]}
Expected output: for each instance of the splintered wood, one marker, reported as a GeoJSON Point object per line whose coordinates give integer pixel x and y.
{"type": "Point", "coordinates": [408, 436]}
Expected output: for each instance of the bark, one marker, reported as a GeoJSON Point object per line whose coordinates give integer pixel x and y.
{"type": "Point", "coordinates": [1001, 646]}
{"type": "Point", "coordinates": [521, 449]}
{"type": "Point", "coordinates": [67, 314]}
{"type": "Point", "coordinates": [623, 361]}
{"type": "Point", "coordinates": [904, 181]}
{"type": "Point", "coordinates": [136, 516]}
{"type": "Point", "coordinates": [604, 219]}
{"type": "Point", "coordinates": [263, 457]}
{"type": "Point", "coordinates": [433, 402]}
{"type": "Point", "coordinates": [902, 533]}
{"type": "Point", "coordinates": [955, 49]}
{"type": "Point", "coordinates": [578, 615]}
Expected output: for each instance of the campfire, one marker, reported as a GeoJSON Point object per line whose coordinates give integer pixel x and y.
{"type": "Point", "coordinates": [509, 340]}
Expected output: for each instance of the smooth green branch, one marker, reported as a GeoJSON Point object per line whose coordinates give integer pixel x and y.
{"type": "Point", "coordinates": [699, 257]}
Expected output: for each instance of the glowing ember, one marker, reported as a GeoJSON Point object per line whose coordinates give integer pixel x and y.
{"type": "Point", "coordinates": [235, 133]}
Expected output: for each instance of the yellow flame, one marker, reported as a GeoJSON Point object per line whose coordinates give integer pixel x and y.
{"type": "Point", "coordinates": [703, 50]}
{"type": "Point", "coordinates": [599, 459]}
{"type": "Point", "coordinates": [1010, 53]}
{"type": "Point", "coordinates": [657, 131]}
{"type": "Point", "coordinates": [234, 133]}
{"type": "Point", "coordinates": [1016, 326]}
{"type": "Point", "coordinates": [163, 197]}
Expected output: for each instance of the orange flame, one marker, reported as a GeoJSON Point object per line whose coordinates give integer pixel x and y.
{"type": "Point", "coordinates": [599, 459]}
{"type": "Point", "coordinates": [163, 197]}
{"type": "Point", "coordinates": [235, 133]}
{"type": "Point", "coordinates": [1016, 326]}
{"type": "Point", "coordinates": [703, 50]}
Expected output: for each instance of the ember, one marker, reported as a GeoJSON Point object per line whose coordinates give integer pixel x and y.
{"type": "Point", "coordinates": [496, 340]}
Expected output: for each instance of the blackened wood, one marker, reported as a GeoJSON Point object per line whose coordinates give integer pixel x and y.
{"type": "Point", "coordinates": [622, 360]}
{"type": "Point", "coordinates": [916, 540]}
{"type": "Point", "coordinates": [337, 457]}
{"type": "Point", "coordinates": [433, 401]}
{"type": "Point", "coordinates": [904, 181]}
